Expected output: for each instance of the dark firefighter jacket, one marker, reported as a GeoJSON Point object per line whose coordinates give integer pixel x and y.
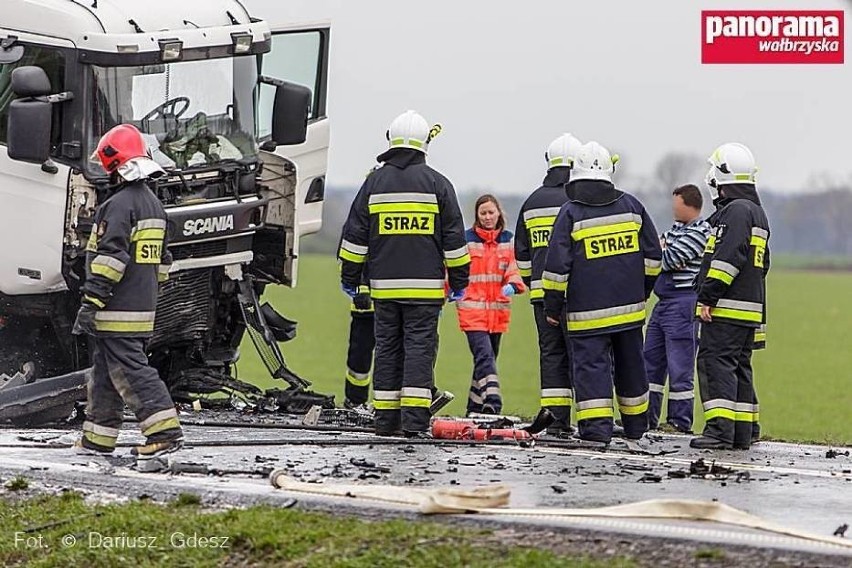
{"type": "Point", "coordinates": [126, 258]}
{"type": "Point", "coordinates": [405, 227]}
{"type": "Point", "coordinates": [535, 224]}
{"type": "Point", "coordinates": [732, 278]}
{"type": "Point", "coordinates": [604, 257]}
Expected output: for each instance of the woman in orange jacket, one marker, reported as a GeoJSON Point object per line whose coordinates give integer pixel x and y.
{"type": "Point", "coordinates": [485, 309]}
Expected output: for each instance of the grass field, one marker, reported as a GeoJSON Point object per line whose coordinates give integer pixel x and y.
{"type": "Point", "coordinates": [804, 377]}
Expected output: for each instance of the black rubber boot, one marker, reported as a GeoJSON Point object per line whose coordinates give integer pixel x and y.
{"type": "Point", "coordinates": [708, 443]}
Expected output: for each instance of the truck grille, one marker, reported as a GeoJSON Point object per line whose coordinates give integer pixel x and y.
{"type": "Point", "coordinates": [184, 308]}
{"type": "Point", "coordinates": [199, 250]}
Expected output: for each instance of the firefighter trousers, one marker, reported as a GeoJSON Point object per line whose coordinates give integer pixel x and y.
{"type": "Point", "coordinates": [555, 370]}
{"type": "Point", "coordinates": [600, 361]}
{"type": "Point", "coordinates": [726, 382]}
{"type": "Point", "coordinates": [403, 377]}
{"type": "Point", "coordinates": [121, 375]}
{"type": "Point", "coordinates": [484, 393]}
{"type": "Point", "coordinates": [671, 341]}
{"type": "Point", "coordinates": [359, 358]}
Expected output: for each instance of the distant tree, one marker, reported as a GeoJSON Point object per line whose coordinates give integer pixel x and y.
{"type": "Point", "coordinates": [678, 168]}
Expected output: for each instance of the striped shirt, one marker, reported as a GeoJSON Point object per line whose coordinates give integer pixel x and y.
{"type": "Point", "coordinates": [684, 249]}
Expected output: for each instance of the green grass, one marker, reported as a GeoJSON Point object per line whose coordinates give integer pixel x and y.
{"type": "Point", "coordinates": [803, 376]}
{"type": "Point", "coordinates": [258, 536]}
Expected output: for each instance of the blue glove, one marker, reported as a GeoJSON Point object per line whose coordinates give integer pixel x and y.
{"type": "Point", "coordinates": [508, 290]}
{"type": "Point", "coordinates": [455, 295]}
{"type": "Point", "coordinates": [350, 291]}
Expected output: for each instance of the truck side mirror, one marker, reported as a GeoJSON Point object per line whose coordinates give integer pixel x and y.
{"type": "Point", "coordinates": [30, 116]}
{"type": "Point", "coordinates": [290, 113]}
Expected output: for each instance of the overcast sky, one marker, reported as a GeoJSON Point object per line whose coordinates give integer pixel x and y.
{"type": "Point", "coordinates": [506, 77]}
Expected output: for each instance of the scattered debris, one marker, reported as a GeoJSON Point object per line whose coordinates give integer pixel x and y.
{"type": "Point", "coordinates": [558, 489]}
{"type": "Point", "coordinates": [832, 453]}
{"type": "Point", "coordinates": [650, 478]}
{"type": "Point", "coordinates": [841, 530]}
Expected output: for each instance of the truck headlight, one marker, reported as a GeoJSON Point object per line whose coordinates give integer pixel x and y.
{"type": "Point", "coordinates": [170, 49]}
{"type": "Point", "coordinates": [242, 43]}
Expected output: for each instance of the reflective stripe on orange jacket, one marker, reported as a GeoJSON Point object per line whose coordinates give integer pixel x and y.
{"type": "Point", "coordinates": [492, 266]}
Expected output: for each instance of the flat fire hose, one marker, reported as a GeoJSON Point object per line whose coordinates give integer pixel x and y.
{"type": "Point", "coordinates": [494, 499]}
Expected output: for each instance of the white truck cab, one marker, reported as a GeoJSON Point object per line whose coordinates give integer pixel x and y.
{"type": "Point", "coordinates": [233, 110]}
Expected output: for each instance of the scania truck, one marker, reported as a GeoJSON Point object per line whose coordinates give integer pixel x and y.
{"type": "Point", "coordinates": [234, 110]}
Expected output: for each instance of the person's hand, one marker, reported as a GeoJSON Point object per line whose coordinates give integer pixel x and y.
{"type": "Point", "coordinates": [455, 295]}
{"type": "Point", "coordinates": [551, 321]}
{"type": "Point", "coordinates": [705, 313]}
{"type": "Point", "coordinates": [350, 291]}
{"type": "Point", "coordinates": [663, 243]}
{"type": "Point", "coordinates": [362, 301]}
{"type": "Point", "coordinates": [508, 290]}
{"type": "Point", "coordinates": [85, 322]}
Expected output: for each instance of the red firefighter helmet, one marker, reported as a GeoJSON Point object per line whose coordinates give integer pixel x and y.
{"type": "Point", "coordinates": [119, 145]}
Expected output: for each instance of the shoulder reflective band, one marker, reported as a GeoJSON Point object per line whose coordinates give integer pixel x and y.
{"type": "Point", "coordinates": [153, 229]}
{"type": "Point", "coordinates": [595, 408]}
{"type": "Point", "coordinates": [609, 225]}
{"type": "Point", "coordinates": [403, 203]}
{"type": "Point", "coordinates": [608, 317]}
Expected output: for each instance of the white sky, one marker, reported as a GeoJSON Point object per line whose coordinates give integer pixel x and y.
{"type": "Point", "coordinates": [506, 77]}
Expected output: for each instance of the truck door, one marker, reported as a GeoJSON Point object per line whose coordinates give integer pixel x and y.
{"type": "Point", "coordinates": [300, 55]}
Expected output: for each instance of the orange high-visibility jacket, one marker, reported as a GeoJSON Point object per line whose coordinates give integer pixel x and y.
{"type": "Point", "coordinates": [492, 265]}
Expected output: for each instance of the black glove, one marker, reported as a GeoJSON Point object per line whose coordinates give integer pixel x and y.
{"type": "Point", "coordinates": [85, 322]}
{"type": "Point", "coordinates": [362, 301]}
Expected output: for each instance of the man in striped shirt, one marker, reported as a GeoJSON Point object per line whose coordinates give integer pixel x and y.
{"type": "Point", "coordinates": [671, 339]}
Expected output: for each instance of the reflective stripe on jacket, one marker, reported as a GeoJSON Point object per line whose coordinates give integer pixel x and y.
{"type": "Point", "coordinates": [492, 257]}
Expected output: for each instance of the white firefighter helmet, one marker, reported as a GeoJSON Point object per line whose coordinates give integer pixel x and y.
{"type": "Point", "coordinates": [593, 161]}
{"type": "Point", "coordinates": [730, 163]}
{"type": "Point", "coordinates": [562, 151]}
{"type": "Point", "coordinates": [410, 130]}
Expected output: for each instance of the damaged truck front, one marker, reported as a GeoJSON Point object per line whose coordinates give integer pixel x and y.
{"type": "Point", "coordinates": [233, 110]}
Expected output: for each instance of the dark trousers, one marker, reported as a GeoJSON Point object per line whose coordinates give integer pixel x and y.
{"type": "Point", "coordinates": [726, 382]}
{"type": "Point", "coordinates": [121, 375]}
{"type": "Point", "coordinates": [484, 383]}
{"type": "Point", "coordinates": [359, 358]}
{"type": "Point", "coordinates": [671, 341]}
{"type": "Point", "coordinates": [406, 342]}
{"type": "Point", "coordinates": [554, 352]}
{"type": "Point", "coordinates": [600, 360]}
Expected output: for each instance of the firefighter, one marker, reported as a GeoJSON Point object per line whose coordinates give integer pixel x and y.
{"type": "Point", "coordinates": [127, 257]}
{"type": "Point", "coordinates": [405, 227]}
{"type": "Point", "coordinates": [532, 234]}
{"type": "Point", "coordinates": [486, 308]}
{"type": "Point", "coordinates": [602, 261]}
{"type": "Point", "coordinates": [672, 335]}
{"type": "Point", "coordinates": [731, 301]}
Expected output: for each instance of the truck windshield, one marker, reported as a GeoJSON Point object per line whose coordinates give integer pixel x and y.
{"type": "Point", "coordinates": [194, 113]}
